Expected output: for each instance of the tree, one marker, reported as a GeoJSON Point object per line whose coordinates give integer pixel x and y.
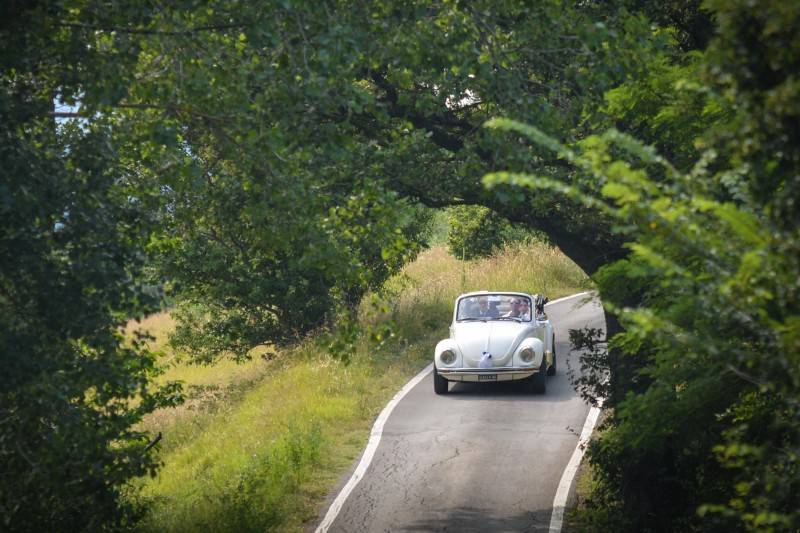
{"type": "Point", "coordinates": [396, 92]}
{"type": "Point", "coordinates": [704, 391]}
{"type": "Point", "coordinates": [474, 232]}
{"type": "Point", "coordinates": [477, 231]}
{"type": "Point", "coordinates": [288, 104]}
{"type": "Point", "coordinates": [71, 257]}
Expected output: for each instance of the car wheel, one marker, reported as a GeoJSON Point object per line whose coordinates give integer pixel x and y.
{"type": "Point", "coordinates": [552, 370]}
{"type": "Point", "coordinates": [538, 383]}
{"type": "Point", "coordinates": [440, 385]}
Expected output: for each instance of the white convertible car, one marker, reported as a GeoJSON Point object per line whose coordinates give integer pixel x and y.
{"type": "Point", "coordinates": [497, 336]}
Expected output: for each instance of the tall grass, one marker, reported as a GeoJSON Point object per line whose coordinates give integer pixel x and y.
{"type": "Point", "coordinates": [258, 446]}
{"type": "Point", "coordinates": [427, 288]}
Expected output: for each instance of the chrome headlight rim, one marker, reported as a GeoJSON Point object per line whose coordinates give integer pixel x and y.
{"type": "Point", "coordinates": [448, 357]}
{"type": "Point", "coordinates": [526, 354]}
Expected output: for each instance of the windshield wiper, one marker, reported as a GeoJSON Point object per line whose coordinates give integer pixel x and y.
{"type": "Point", "coordinates": [474, 318]}
{"type": "Point", "coordinates": [515, 318]}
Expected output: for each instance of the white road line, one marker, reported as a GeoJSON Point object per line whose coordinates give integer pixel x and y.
{"type": "Point", "coordinates": [569, 297]}
{"type": "Point", "coordinates": [560, 501]}
{"type": "Point", "coordinates": [369, 452]}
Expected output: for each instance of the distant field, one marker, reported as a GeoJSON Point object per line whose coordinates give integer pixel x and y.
{"type": "Point", "coordinates": [257, 446]}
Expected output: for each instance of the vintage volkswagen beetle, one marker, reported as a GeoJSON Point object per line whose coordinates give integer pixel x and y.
{"type": "Point", "coordinates": [497, 336]}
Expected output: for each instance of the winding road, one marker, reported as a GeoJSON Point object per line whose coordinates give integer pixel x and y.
{"type": "Point", "coordinates": [485, 457]}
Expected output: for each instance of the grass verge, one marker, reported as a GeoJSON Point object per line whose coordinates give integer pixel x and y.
{"type": "Point", "coordinates": [258, 446]}
{"type": "Point", "coordinates": [583, 513]}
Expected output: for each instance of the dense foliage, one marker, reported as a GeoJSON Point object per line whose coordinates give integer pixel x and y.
{"type": "Point", "coordinates": [477, 231]}
{"type": "Point", "coordinates": [71, 256]}
{"type": "Point", "coordinates": [294, 100]}
{"type": "Point", "coordinates": [281, 146]}
{"type": "Point", "coordinates": [102, 193]}
{"type": "Point", "coordinates": [265, 272]}
{"type": "Point", "coordinates": [703, 385]}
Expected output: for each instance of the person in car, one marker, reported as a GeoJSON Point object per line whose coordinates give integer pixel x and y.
{"type": "Point", "coordinates": [525, 309]}
{"type": "Point", "coordinates": [515, 307]}
{"type": "Point", "coordinates": [483, 310]}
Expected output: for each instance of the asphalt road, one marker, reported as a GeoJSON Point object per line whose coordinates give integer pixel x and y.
{"type": "Point", "coordinates": [485, 457]}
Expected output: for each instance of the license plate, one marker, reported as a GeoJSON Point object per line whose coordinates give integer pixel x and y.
{"type": "Point", "coordinates": [487, 377]}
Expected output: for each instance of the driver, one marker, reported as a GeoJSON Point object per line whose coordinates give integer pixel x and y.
{"type": "Point", "coordinates": [483, 309]}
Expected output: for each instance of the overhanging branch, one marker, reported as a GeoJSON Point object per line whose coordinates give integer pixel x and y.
{"type": "Point", "coordinates": [149, 31]}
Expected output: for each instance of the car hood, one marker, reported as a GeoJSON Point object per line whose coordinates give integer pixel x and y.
{"type": "Point", "coordinates": [499, 338]}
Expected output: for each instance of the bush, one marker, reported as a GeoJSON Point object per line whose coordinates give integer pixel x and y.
{"type": "Point", "coordinates": [477, 231]}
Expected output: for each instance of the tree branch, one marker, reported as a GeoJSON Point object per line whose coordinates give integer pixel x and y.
{"type": "Point", "coordinates": [438, 135]}
{"type": "Point", "coordinates": [167, 108]}
{"type": "Point", "coordinates": [147, 31]}
{"type": "Point", "coordinates": [152, 443]}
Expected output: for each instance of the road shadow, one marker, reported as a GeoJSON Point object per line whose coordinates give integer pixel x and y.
{"type": "Point", "coordinates": [559, 389]}
{"type": "Point", "coordinates": [465, 519]}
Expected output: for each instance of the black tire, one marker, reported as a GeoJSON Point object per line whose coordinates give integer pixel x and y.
{"type": "Point", "coordinates": [440, 385]}
{"type": "Point", "coordinates": [537, 383]}
{"type": "Point", "coordinates": [552, 370]}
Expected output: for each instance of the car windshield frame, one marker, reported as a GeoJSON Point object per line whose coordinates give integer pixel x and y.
{"type": "Point", "coordinates": [498, 307]}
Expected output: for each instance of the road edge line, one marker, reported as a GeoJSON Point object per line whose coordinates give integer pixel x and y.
{"type": "Point", "coordinates": [369, 451]}
{"type": "Point", "coordinates": [560, 501]}
{"type": "Point", "coordinates": [584, 293]}
{"type": "Point", "coordinates": [562, 493]}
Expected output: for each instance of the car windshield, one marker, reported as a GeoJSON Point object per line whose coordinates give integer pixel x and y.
{"type": "Point", "coordinates": [494, 307]}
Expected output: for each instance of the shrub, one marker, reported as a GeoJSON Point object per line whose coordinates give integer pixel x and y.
{"type": "Point", "coordinates": [477, 231]}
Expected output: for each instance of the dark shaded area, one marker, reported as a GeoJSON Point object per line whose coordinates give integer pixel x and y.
{"type": "Point", "coordinates": [472, 519]}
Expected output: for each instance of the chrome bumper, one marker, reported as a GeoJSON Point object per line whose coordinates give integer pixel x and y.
{"type": "Point", "coordinates": [484, 374]}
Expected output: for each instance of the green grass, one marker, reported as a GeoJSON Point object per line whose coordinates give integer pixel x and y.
{"type": "Point", "coordinates": [586, 515]}
{"type": "Point", "coordinates": [258, 446]}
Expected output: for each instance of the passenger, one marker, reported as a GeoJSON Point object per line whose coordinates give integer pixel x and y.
{"type": "Point", "coordinates": [525, 309]}
{"type": "Point", "coordinates": [515, 307]}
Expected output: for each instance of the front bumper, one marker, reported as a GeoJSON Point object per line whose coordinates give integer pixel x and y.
{"type": "Point", "coordinates": [485, 374]}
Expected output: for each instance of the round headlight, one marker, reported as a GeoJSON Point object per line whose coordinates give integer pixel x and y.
{"type": "Point", "coordinates": [526, 355]}
{"type": "Point", "coordinates": [448, 357]}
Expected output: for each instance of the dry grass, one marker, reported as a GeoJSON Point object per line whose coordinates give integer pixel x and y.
{"type": "Point", "coordinates": [428, 287]}
{"type": "Point", "coordinates": [207, 387]}
{"type": "Point", "coordinates": [532, 268]}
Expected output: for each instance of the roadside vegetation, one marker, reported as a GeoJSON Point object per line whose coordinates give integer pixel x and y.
{"type": "Point", "coordinates": [257, 446]}
{"type": "Point", "coordinates": [698, 371]}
